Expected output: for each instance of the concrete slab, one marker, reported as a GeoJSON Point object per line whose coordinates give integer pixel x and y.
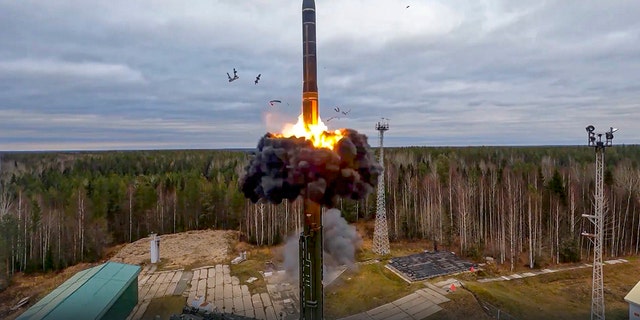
{"type": "Point", "coordinates": [359, 316]}
{"type": "Point", "coordinates": [388, 312]}
{"type": "Point", "coordinates": [399, 316]}
{"type": "Point", "coordinates": [419, 301]}
{"type": "Point", "coordinates": [227, 305]}
{"type": "Point", "coordinates": [427, 312]}
{"type": "Point", "coordinates": [185, 279]}
{"type": "Point", "coordinates": [436, 289]}
{"type": "Point", "coordinates": [419, 307]}
{"type": "Point", "coordinates": [218, 293]}
{"type": "Point", "coordinates": [266, 300]}
{"type": "Point", "coordinates": [379, 309]}
{"type": "Point", "coordinates": [270, 313]}
{"type": "Point", "coordinates": [236, 291]}
{"type": "Point", "coordinates": [407, 298]}
{"type": "Point", "coordinates": [219, 278]}
{"type": "Point", "coordinates": [247, 303]}
{"type": "Point", "coordinates": [211, 294]}
{"type": "Point", "coordinates": [202, 288]}
{"type": "Point", "coordinates": [238, 303]}
{"type": "Point", "coordinates": [228, 292]}
{"type": "Point", "coordinates": [160, 278]}
{"type": "Point", "coordinates": [433, 296]}
{"type": "Point", "coordinates": [249, 313]}
{"type": "Point", "coordinates": [142, 280]}
{"type": "Point", "coordinates": [152, 292]}
{"type": "Point", "coordinates": [235, 281]}
{"type": "Point", "coordinates": [142, 292]}
{"type": "Point", "coordinates": [259, 314]}
{"type": "Point", "coordinates": [141, 310]}
{"type": "Point", "coordinates": [162, 290]}
{"type": "Point", "coordinates": [171, 288]}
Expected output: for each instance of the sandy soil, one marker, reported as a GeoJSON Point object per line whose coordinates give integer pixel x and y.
{"type": "Point", "coordinates": [180, 250]}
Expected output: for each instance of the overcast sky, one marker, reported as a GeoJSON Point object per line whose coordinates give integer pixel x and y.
{"type": "Point", "coordinates": [151, 74]}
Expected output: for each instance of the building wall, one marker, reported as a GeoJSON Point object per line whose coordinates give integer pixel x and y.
{"type": "Point", "coordinates": [634, 311]}
{"type": "Point", "coordinates": [125, 303]}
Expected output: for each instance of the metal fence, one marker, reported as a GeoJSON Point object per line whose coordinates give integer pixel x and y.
{"type": "Point", "coordinates": [491, 310]}
{"type": "Point", "coordinates": [494, 311]}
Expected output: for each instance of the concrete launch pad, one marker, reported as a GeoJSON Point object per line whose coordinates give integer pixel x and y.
{"type": "Point", "coordinates": [427, 265]}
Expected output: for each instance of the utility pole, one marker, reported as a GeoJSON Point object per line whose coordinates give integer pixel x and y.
{"type": "Point", "coordinates": [381, 231]}
{"type": "Point", "coordinates": [597, 293]}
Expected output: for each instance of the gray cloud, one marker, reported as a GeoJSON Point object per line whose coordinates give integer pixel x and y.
{"type": "Point", "coordinates": [152, 74]}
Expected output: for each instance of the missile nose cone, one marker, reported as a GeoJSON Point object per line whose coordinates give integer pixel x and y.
{"type": "Point", "coordinates": [308, 4]}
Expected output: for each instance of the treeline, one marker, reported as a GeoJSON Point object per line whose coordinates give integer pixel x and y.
{"type": "Point", "coordinates": [521, 205]}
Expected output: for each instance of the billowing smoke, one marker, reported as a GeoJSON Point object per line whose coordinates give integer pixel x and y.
{"type": "Point", "coordinates": [340, 242]}
{"type": "Point", "coordinates": [284, 168]}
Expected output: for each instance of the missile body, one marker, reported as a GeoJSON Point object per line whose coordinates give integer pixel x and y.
{"type": "Point", "coordinates": [309, 64]}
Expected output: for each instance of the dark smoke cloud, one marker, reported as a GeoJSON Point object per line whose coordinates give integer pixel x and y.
{"type": "Point", "coordinates": [284, 168]}
{"type": "Point", "coordinates": [339, 242]}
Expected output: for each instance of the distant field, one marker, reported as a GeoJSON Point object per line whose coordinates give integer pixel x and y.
{"type": "Point", "coordinates": [561, 295]}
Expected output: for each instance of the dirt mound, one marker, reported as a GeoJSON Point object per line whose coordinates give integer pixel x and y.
{"type": "Point", "coordinates": [181, 250]}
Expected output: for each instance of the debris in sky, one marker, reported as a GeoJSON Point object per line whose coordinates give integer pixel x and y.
{"type": "Point", "coordinates": [258, 78]}
{"type": "Point", "coordinates": [274, 101]}
{"type": "Point", "coordinates": [235, 75]}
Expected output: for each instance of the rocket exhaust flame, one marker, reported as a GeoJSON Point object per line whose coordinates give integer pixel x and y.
{"type": "Point", "coordinates": [318, 134]}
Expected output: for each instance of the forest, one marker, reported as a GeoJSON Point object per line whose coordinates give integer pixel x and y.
{"type": "Point", "coordinates": [520, 205]}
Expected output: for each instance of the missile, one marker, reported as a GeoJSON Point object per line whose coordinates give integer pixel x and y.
{"type": "Point", "coordinates": [309, 64]}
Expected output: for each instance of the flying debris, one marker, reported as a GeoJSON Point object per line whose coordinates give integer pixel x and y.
{"type": "Point", "coordinates": [331, 118]}
{"type": "Point", "coordinates": [258, 78]}
{"type": "Point", "coordinates": [339, 111]}
{"type": "Point", "coordinates": [407, 7]}
{"type": "Point", "coordinates": [274, 101]}
{"type": "Point", "coordinates": [235, 75]}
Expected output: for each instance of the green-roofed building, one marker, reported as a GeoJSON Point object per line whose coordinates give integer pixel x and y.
{"type": "Point", "coordinates": [107, 291]}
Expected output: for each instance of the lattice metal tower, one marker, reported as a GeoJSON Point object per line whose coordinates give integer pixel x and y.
{"type": "Point", "coordinates": [381, 231]}
{"type": "Point", "coordinates": [597, 293]}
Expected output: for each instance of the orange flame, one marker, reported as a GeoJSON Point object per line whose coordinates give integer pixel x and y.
{"type": "Point", "coordinates": [318, 134]}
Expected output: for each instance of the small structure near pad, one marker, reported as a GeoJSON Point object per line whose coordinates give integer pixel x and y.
{"type": "Point", "coordinates": [426, 265]}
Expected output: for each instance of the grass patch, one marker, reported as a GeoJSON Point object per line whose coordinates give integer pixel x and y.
{"type": "Point", "coordinates": [462, 306]}
{"type": "Point", "coordinates": [560, 295]}
{"type": "Point", "coordinates": [364, 288]}
{"type": "Point", "coordinates": [164, 307]}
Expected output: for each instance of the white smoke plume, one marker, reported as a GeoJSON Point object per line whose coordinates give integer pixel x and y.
{"type": "Point", "coordinates": [340, 241]}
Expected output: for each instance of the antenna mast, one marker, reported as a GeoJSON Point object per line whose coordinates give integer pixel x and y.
{"type": "Point", "coordinates": [381, 232]}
